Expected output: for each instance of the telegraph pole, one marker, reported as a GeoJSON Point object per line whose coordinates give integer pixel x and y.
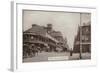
{"type": "Point", "coordinates": [80, 54]}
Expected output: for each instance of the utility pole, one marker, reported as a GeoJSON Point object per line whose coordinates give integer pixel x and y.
{"type": "Point", "coordinates": [80, 54]}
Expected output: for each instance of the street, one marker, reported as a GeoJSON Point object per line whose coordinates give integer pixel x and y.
{"type": "Point", "coordinates": [43, 56]}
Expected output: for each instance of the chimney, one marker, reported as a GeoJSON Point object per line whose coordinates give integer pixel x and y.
{"type": "Point", "coordinates": [49, 27]}
{"type": "Point", "coordinates": [34, 25]}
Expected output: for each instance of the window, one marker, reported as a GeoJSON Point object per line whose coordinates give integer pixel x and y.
{"type": "Point", "coordinates": [32, 37]}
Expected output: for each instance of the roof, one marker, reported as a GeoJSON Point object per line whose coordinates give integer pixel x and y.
{"type": "Point", "coordinates": [39, 30]}
{"type": "Point", "coordinates": [55, 33]}
{"type": "Point", "coordinates": [36, 29]}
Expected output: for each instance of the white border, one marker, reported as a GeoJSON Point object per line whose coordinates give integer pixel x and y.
{"type": "Point", "coordinates": [17, 64]}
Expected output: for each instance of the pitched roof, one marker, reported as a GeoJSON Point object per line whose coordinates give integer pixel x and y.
{"type": "Point", "coordinates": [36, 29]}
{"type": "Point", "coordinates": [39, 30]}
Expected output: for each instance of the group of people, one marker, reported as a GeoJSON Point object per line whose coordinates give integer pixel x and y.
{"type": "Point", "coordinates": [30, 51]}
{"type": "Point", "coordinates": [33, 50]}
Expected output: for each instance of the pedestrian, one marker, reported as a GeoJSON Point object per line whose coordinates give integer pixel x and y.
{"type": "Point", "coordinates": [71, 52]}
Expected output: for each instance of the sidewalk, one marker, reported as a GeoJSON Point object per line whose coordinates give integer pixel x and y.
{"type": "Point", "coordinates": [76, 56]}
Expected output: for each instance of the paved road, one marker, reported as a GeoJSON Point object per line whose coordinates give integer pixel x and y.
{"type": "Point", "coordinates": [45, 55]}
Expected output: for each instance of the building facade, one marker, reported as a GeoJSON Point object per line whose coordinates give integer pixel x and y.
{"type": "Point", "coordinates": [42, 39]}
{"type": "Point", "coordinates": [83, 38]}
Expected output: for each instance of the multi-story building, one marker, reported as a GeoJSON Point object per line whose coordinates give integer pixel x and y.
{"type": "Point", "coordinates": [43, 38]}
{"type": "Point", "coordinates": [83, 38]}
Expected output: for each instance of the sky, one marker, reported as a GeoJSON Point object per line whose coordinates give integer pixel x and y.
{"type": "Point", "coordinates": [65, 22]}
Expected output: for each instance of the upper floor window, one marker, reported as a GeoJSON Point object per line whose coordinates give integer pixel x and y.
{"type": "Point", "coordinates": [32, 37]}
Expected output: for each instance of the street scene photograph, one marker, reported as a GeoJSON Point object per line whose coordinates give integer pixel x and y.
{"type": "Point", "coordinates": [55, 36]}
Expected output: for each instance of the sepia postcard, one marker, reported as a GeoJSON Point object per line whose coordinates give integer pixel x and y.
{"type": "Point", "coordinates": [52, 36]}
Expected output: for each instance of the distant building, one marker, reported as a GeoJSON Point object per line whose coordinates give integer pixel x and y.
{"type": "Point", "coordinates": [83, 38]}
{"type": "Point", "coordinates": [43, 37]}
